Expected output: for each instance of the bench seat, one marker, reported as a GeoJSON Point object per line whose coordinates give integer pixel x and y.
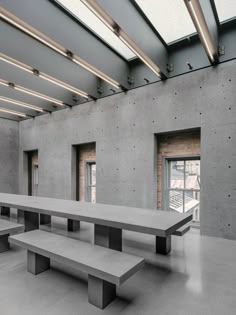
{"type": "Point", "coordinates": [182, 230]}
{"type": "Point", "coordinates": [106, 268]}
{"type": "Point", "coordinates": [7, 228]}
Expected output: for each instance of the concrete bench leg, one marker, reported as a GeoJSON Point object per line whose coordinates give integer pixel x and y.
{"type": "Point", "coordinates": [5, 211]}
{"type": "Point", "coordinates": [108, 237]}
{"type": "Point", "coordinates": [100, 292]}
{"type": "Point", "coordinates": [45, 219]}
{"type": "Point", "coordinates": [31, 221]}
{"type": "Point", "coordinates": [73, 225]}
{"type": "Point", "coordinates": [37, 263]}
{"type": "Point", "coordinates": [163, 245]}
{"type": "Point", "coordinates": [4, 244]}
{"type": "Point", "coordinates": [20, 216]}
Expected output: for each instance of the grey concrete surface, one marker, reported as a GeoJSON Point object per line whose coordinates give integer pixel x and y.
{"type": "Point", "coordinates": [124, 127]}
{"type": "Point", "coordinates": [197, 278]}
{"type": "Point", "coordinates": [10, 227]}
{"type": "Point", "coordinates": [161, 223]}
{"type": "Point", "coordinates": [9, 141]}
{"type": "Point", "coordinates": [103, 263]}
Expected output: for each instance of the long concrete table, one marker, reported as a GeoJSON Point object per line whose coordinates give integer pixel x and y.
{"type": "Point", "coordinates": [109, 220]}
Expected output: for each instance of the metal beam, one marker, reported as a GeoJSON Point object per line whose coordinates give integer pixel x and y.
{"type": "Point", "coordinates": [204, 21]}
{"type": "Point", "coordinates": [72, 37]}
{"type": "Point", "coordinates": [124, 13]}
{"type": "Point", "coordinates": [42, 75]}
{"type": "Point", "coordinates": [33, 93]}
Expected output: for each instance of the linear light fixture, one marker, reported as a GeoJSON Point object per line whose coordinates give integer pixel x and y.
{"type": "Point", "coordinates": [42, 75]}
{"type": "Point", "coordinates": [33, 93]}
{"type": "Point", "coordinates": [31, 31]}
{"type": "Point", "coordinates": [116, 29]}
{"type": "Point", "coordinates": [200, 24]}
{"type": "Point", "coordinates": [26, 105]}
{"type": "Point", "coordinates": [13, 112]}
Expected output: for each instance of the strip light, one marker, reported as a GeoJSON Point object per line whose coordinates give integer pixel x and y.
{"type": "Point", "coordinates": [200, 24]}
{"type": "Point", "coordinates": [12, 101]}
{"type": "Point", "coordinates": [33, 93]}
{"type": "Point", "coordinates": [28, 29]}
{"type": "Point", "coordinates": [42, 75]}
{"type": "Point", "coordinates": [95, 8]}
{"type": "Point", "coordinates": [13, 112]}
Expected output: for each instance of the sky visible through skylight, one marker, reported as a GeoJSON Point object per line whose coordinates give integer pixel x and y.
{"type": "Point", "coordinates": [81, 12]}
{"type": "Point", "coordinates": [226, 9]}
{"type": "Point", "coordinates": [169, 17]}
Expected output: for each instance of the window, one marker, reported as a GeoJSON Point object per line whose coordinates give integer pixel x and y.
{"type": "Point", "coordinates": [91, 181]}
{"type": "Point", "coordinates": [182, 193]}
{"type": "Point", "coordinates": [33, 176]}
{"type": "Point", "coordinates": [35, 181]}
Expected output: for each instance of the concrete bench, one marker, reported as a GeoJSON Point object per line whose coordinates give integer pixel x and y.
{"type": "Point", "coordinates": [106, 268]}
{"type": "Point", "coordinates": [7, 228]}
{"type": "Point", "coordinates": [182, 230]}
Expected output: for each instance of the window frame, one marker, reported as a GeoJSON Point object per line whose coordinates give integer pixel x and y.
{"type": "Point", "coordinates": [88, 184]}
{"type": "Point", "coordinates": [166, 177]}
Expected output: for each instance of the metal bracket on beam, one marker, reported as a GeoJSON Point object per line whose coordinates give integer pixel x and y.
{"type": "Point", "coordinates": [169, 67]}
{"type": "Point", "coordinates": [100, 90]}
{"type": "Point", "coordinates": [130, 80]}
{"type": "Point", "coordinates": [36, 72]}
{"type": "Point", "coordinates": [221, 50]}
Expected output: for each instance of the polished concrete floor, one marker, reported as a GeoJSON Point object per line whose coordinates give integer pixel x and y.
{"type": "Point", "coordinates": [198, 277]}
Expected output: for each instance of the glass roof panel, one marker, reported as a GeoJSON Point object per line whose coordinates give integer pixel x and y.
{"type": "Point", "coordinates": [226, 9]}
{"type": "Point", "coordinates": [82, 13]}
{"type": "Point", "coordinates": [170, 18]}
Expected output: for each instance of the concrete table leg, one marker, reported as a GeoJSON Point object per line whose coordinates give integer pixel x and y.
{"type": "Point", "coordinates": [37, 263]}
{"type": "Point", "coordinates": [31, 221]}
{"type": "Point", "coordinates": [163, 245]}
{"type": "Point", "coordinates": [73, 225]}
{"type": "Point", "coordinates": [108, 237]}
{"type": "Point", "coordinates": [4, 244]}
{"type": "Point", "coordinates": [100, 292]}
{"type": "Point", "coordinates": [20, 216]}
{"type": "Point", "coordinates": [5, 211]}
{"type": "Point", "coordinates": [45, 219]}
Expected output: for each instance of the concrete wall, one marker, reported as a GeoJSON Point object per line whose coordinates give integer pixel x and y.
{"type": "Point", "coordinates": [124, 127]}
{"type": "Point", "coordinates": [9, 141]}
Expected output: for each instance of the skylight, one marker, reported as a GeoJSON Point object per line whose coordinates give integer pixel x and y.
{"type": "Point", "coordinates": [82, 13]}
{"type": "Point", "coordinates": [170, 18]}
{"type": "Point", "coordinates": [226, 9]}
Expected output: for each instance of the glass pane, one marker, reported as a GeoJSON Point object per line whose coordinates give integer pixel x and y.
{"type": "Point", "coordinates": [161, 12]}
{"type": "Point", "coordinates": [192, 174]}
{"type": "Point", "coordinates": [176, 174]}
{"type": "Point", "coordinates": [93, 174]}
{"type": "Point", "coordinates": [226, 9]}
{"type": "Point", "coordinates": [176, 200]}
{"type": "Point", "coordinates": [192, 204]}
{"type": "Point", "coordinates": [82, 13]}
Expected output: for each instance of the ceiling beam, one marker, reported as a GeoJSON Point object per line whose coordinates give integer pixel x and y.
{"type": "Point", "coordinates": [203, 18]}
{"type": "Point", "coordinates": [42, 75]}
{"type": "Point", "coordinates": [68, 38]}
{"type": "Point", "coordinates": [132, 23]}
